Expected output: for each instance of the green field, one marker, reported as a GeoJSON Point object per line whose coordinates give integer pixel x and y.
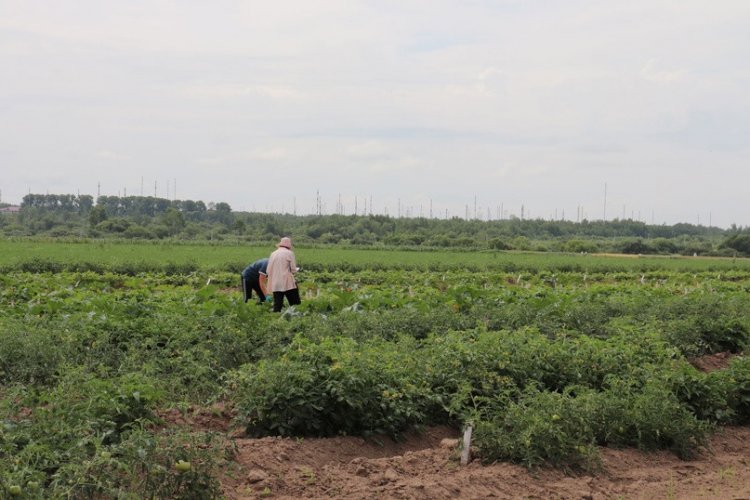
{"type": "Point", "coordinates": [227, 256]}
{"type": "Point", "coordinates": [549, 356]}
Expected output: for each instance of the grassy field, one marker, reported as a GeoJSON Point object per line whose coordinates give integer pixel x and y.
{"type": "Point", "coordinates": [14, 252]}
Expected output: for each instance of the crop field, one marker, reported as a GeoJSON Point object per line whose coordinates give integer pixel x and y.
{"type": "Point", "coordinates": [129, 257]}
{"type": "Point", "coordinates": [548, 357]}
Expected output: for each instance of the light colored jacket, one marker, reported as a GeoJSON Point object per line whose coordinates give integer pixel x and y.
{"type": "Point", "coordinates": [281, 268]}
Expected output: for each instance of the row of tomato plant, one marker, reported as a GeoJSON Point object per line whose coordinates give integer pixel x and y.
{"type": "Point", "coordinates": [546, 365]}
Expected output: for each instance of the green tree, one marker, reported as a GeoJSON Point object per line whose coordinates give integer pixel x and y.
{"type": "Point", "coordinates": [96, 215]}
{"type": "Point", "coordinates": [738, 242]}
{"type": "Point", "coordinates": [173, 220]}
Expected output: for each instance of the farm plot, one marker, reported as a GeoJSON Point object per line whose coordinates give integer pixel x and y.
{"type": "Point", "coordinates": [547, 365]}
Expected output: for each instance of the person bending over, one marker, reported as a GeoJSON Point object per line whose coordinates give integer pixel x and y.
{"type": "Point", "coordinates": [251, 277]}
{"type": "Point", "coordinates": [282, 266]}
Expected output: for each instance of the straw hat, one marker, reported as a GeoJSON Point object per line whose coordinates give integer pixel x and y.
{"type": "Point", "coordinates": [285, 242]}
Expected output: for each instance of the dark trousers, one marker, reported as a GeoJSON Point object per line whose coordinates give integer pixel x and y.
{"type": "Point", "coordinates": [292, 296]}
{"type": "Point", "coordinates": [250, 284]}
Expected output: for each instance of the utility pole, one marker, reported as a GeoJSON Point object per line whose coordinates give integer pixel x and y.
{"type": "Point", "coordinates": [605, 202]}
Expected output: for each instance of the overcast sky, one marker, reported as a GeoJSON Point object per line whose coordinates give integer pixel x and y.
{"type": "Point", "coordinates": [261, 104]}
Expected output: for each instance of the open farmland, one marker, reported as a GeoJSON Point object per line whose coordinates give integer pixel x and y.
{"type": "Point", "coordinates": [136, 370]}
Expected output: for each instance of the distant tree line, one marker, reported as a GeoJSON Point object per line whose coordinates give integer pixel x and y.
{"type": "Point", "coordinates": [152, 218]}
{"type": "Point", "coordinates": [64, 203]}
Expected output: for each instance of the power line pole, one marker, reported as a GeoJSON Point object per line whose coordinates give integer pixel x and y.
{"type": "Point", "coordinates": [605, 201]}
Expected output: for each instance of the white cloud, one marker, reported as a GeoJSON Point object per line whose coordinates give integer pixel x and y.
{"type": "Point", "coordinates": [106, 154]}
{"type": "Point", "coordinates": [234, 91]}
{"type": "Point", "coordinates": [210, 161]}
{"type": "Point", "coordinates": [654, 71]}
{"type": "Point", "coordinates": [272, 154]}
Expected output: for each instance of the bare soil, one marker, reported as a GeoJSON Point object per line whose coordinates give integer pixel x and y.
{"type": "Point", "coordinates": [427, 466]}
{"type": "Point", "coordinates": [712, 362]}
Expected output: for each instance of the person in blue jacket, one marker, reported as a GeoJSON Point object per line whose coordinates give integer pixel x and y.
{"type": "Point", "coordinates": [251, 279]}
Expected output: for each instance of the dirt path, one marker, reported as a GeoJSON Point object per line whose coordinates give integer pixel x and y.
{"type": "Point", "coordinates": [426, 466]}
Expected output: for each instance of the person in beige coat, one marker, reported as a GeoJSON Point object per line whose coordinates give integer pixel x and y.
{"type": "Point", "coordinates": [282, 266]}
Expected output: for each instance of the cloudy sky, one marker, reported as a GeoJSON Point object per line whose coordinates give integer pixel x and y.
{"type": "Point", "coordinates": [414, 104]}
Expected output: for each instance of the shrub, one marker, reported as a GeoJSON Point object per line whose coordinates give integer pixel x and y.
{"type": "Point", "coordinates": [144, 466]}
{"type": "Point", "coordinates": [736, 380]}
{"type": "Point", "coordinates": [540, 428]}
{"type": "Point", "coordinates": [29, 356]}
{"type": "Point", "coordinates": [335, 387]}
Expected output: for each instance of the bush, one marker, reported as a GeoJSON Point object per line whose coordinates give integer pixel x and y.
{"type": "Point", "coordinates": [335, 387]}
{"type": "Point", "coordinates": [540, 428]}
{"type": "Point", "coordinates": [29, 356]}
{"type": "Point", "coordinates": [561, 428]}
{"type": "Point", "coordinates": [144, 466]}
{"type": "Point", "coordinates": [654, 418]}
{"type": "Point", "coordinates": [736, 380]}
